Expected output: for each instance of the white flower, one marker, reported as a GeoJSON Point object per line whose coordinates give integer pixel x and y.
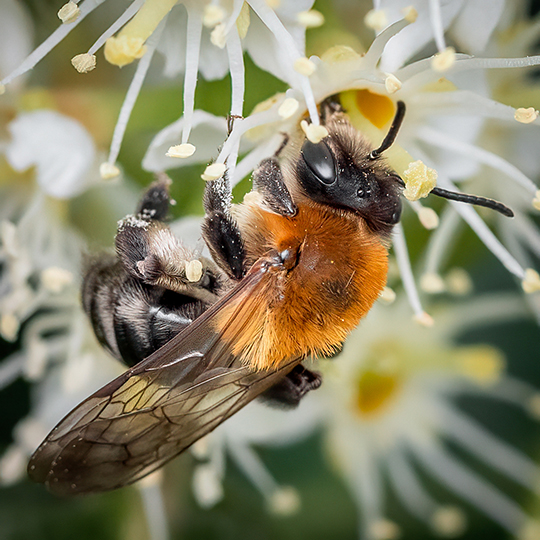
{"type": "Point", "coordinates": [389, 401]}
{"type": "Point", "coordinates": [58, 146]}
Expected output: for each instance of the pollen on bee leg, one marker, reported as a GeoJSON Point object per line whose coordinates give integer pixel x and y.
{"type": "Point", "coordinates": [419, 180]}
{"type": "Point", "coordinates": [444, 60]}
{"type": "Point", "coordinates": [108, 170]}
{"type": "Point", "coordinates": [181, 151]}
{"type": "Point", "coordinates": [288, 108]}
{"type": "Point", "coordinates": [424, 319]}
{"type": "Point", "coordinates": [84, 62]}
{"type": "Point", "coordinates": [304, 66]}
{"type": "Point", "coordinates": [194, 270]}
{"type": "Point", "coordinates": [449, 521]}
{"type": "Point", "coordinates": [314, 133]}
{"type": "Point", "coordinates": [531, 281]}
{"type": "Point", "coordinates": [526, 116]}
{"type": "Point", "coordinates": [432, 283]}
{"type": "Point", "coordinates": [387, 296]}
{"type": "Point", "coordinates": [536, 200]}
{"type": "Point", "coordinates": [392, 83]}
{"type": "Point", "coordinates": [376, 19]}
{"type": "Point", "coordinates": [69, 13]}
{"type": "Point", "coordinates": [214, 171]}
{"type": "Point", "coordinates": [311, 18]}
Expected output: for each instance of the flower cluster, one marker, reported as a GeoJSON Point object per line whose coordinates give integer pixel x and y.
{"type": "Point", "coordinates": [389, 403]}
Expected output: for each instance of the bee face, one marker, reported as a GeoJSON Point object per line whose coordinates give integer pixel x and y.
{"type": "Point", "coordinates": [331, 175]}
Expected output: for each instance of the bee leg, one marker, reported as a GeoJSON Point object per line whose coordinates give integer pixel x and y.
{"type": "Point", "coordinates": [155, 201]}
{"type": "Point", "coordinates": [288, 392]}
{"type": "Point", "coordinates": [220, 229]}
{"type": "Point", "coordinates": [268, 181]}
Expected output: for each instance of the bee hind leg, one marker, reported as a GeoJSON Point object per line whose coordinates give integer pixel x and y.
{"type": "Point", "coordinates": [288, 392]}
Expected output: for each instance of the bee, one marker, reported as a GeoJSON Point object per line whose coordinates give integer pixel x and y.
{"type": "Point", "coordinates": [294, 269]}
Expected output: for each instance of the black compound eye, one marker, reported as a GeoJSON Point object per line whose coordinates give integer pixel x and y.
{"type": "Point", "coordinates": [320, 161]}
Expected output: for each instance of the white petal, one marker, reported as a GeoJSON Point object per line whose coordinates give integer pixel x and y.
{"type": "Point", "coordinates": [58, 146]}
{"type": "Point", "coordinates": [471, 36]}
{"type": "Point", "coordinates": [207, 134]}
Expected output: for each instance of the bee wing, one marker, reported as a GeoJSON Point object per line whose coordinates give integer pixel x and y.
{"type": "Point", "coordinates": [157, 409]}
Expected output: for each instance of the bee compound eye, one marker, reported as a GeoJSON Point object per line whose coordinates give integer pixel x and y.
{"type": "Point", "coordinates": [320, 161]}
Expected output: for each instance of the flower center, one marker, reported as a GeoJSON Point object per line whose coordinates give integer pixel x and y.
{"type": "Point", "coordinates": [375, 391]}
{"type": "Point", "coordinates": [378, 109]}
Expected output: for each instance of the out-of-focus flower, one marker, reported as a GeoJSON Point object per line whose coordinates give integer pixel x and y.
{"type": "Point", "coordinates": [389, 400]}
{"type": "Point", "coordinates": [194, 37]}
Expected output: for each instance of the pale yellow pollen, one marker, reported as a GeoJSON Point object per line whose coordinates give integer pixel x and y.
{"type": "Point", "coordinates": [484, 364]}
{"type": "Point", "coordinates": [212, 15]}
{"type": "Point", "coordinates": [428, 218]}
{"type": "Point", "coordinates": [387, 296]}
{"type": "Point", "coordinates": [284, 501]}
{"type": "Point", "coordinates": [2, 89]}
{"type": "Point", "coordinates": [218, 37]}
{"type": "Point", "coordinates": [424, 319]}
{"type": "Point", "coordinates": [181, 151]}
{"type": "Point", "coordinates": [9, 326]}
{"type": "Point", "coordinates": [122, 50]}
{"type": "Point", "coordinates": [432, 283]}
{"type": "Point", "coordinates": [8, 238]}
{"type": "Point", "coordinates": [384, 529]}
{"type": "Point", "coordinates": [311, 18]}
{"type": "Point", "coordinates": [458, 282]}
{"type": "Point", "coordinates": [392, 83]}
{"type": "Point", "coordinates": [214, 171]}
{"type": "Point", "coordinates": [526, 116]}
{"type": "Point", "coordinates": [128, 45]}
{"type": "Point", "coordinates": [533, 406]}
{"type": "Point", "coordinates": [376, 19]}
{"type": "Point", "coordinates": [410, 14]}
{"type": "Point", "coordinates": [69, 13]}
{"type": "Point", "coordinates": [536, 200]}
{"type": "Point", "coordinates": [304, 66]}
{"type": "Point", "coordinates": [444, 60]}
{"type": "Point", "coordinates": [84, 62]}
{"type": "Point", "coordinates": [108, 170]}
{"type": "Point", "coordinates": [314, 133]}
{"type": "Point", "coordinates": [529, 531]}
{"type": "Point", "coordinates": [243, 21]}
{"type": "Point", "coordinates": [194, 270]}
{"type": "Point", "coordinates": [288, 108]}
{"type": "Point", "coordinates": [419, 180]}
{"type": "Point", "coordinates": [152, 480]}
{"type": "Point", "coordinates": [274, 4]}
{"type": "Point", "coordinates": [449, 521]}
{"type": "Point", "coordinates": [55, 279]}
{"type": "Point", "coordinates": [531, 281]}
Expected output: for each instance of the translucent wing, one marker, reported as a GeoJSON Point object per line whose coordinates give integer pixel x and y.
{"type": "Point", "coordinates": [157, 409]}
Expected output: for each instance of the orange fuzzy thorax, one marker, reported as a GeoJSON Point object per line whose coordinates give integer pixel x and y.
{"type": "Point", "coordinates": [340, 271]}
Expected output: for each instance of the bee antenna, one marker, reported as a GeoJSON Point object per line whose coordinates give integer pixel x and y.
{"type": "Point", "coordinates": [473, 199]}
{"type": "Point", "coordinates": [392, 132]}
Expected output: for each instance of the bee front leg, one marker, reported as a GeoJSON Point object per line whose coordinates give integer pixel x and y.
{"type": "Point", "coordinates": [220, 229]}
{"type": "Point", "coordinates": [269, 182]}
